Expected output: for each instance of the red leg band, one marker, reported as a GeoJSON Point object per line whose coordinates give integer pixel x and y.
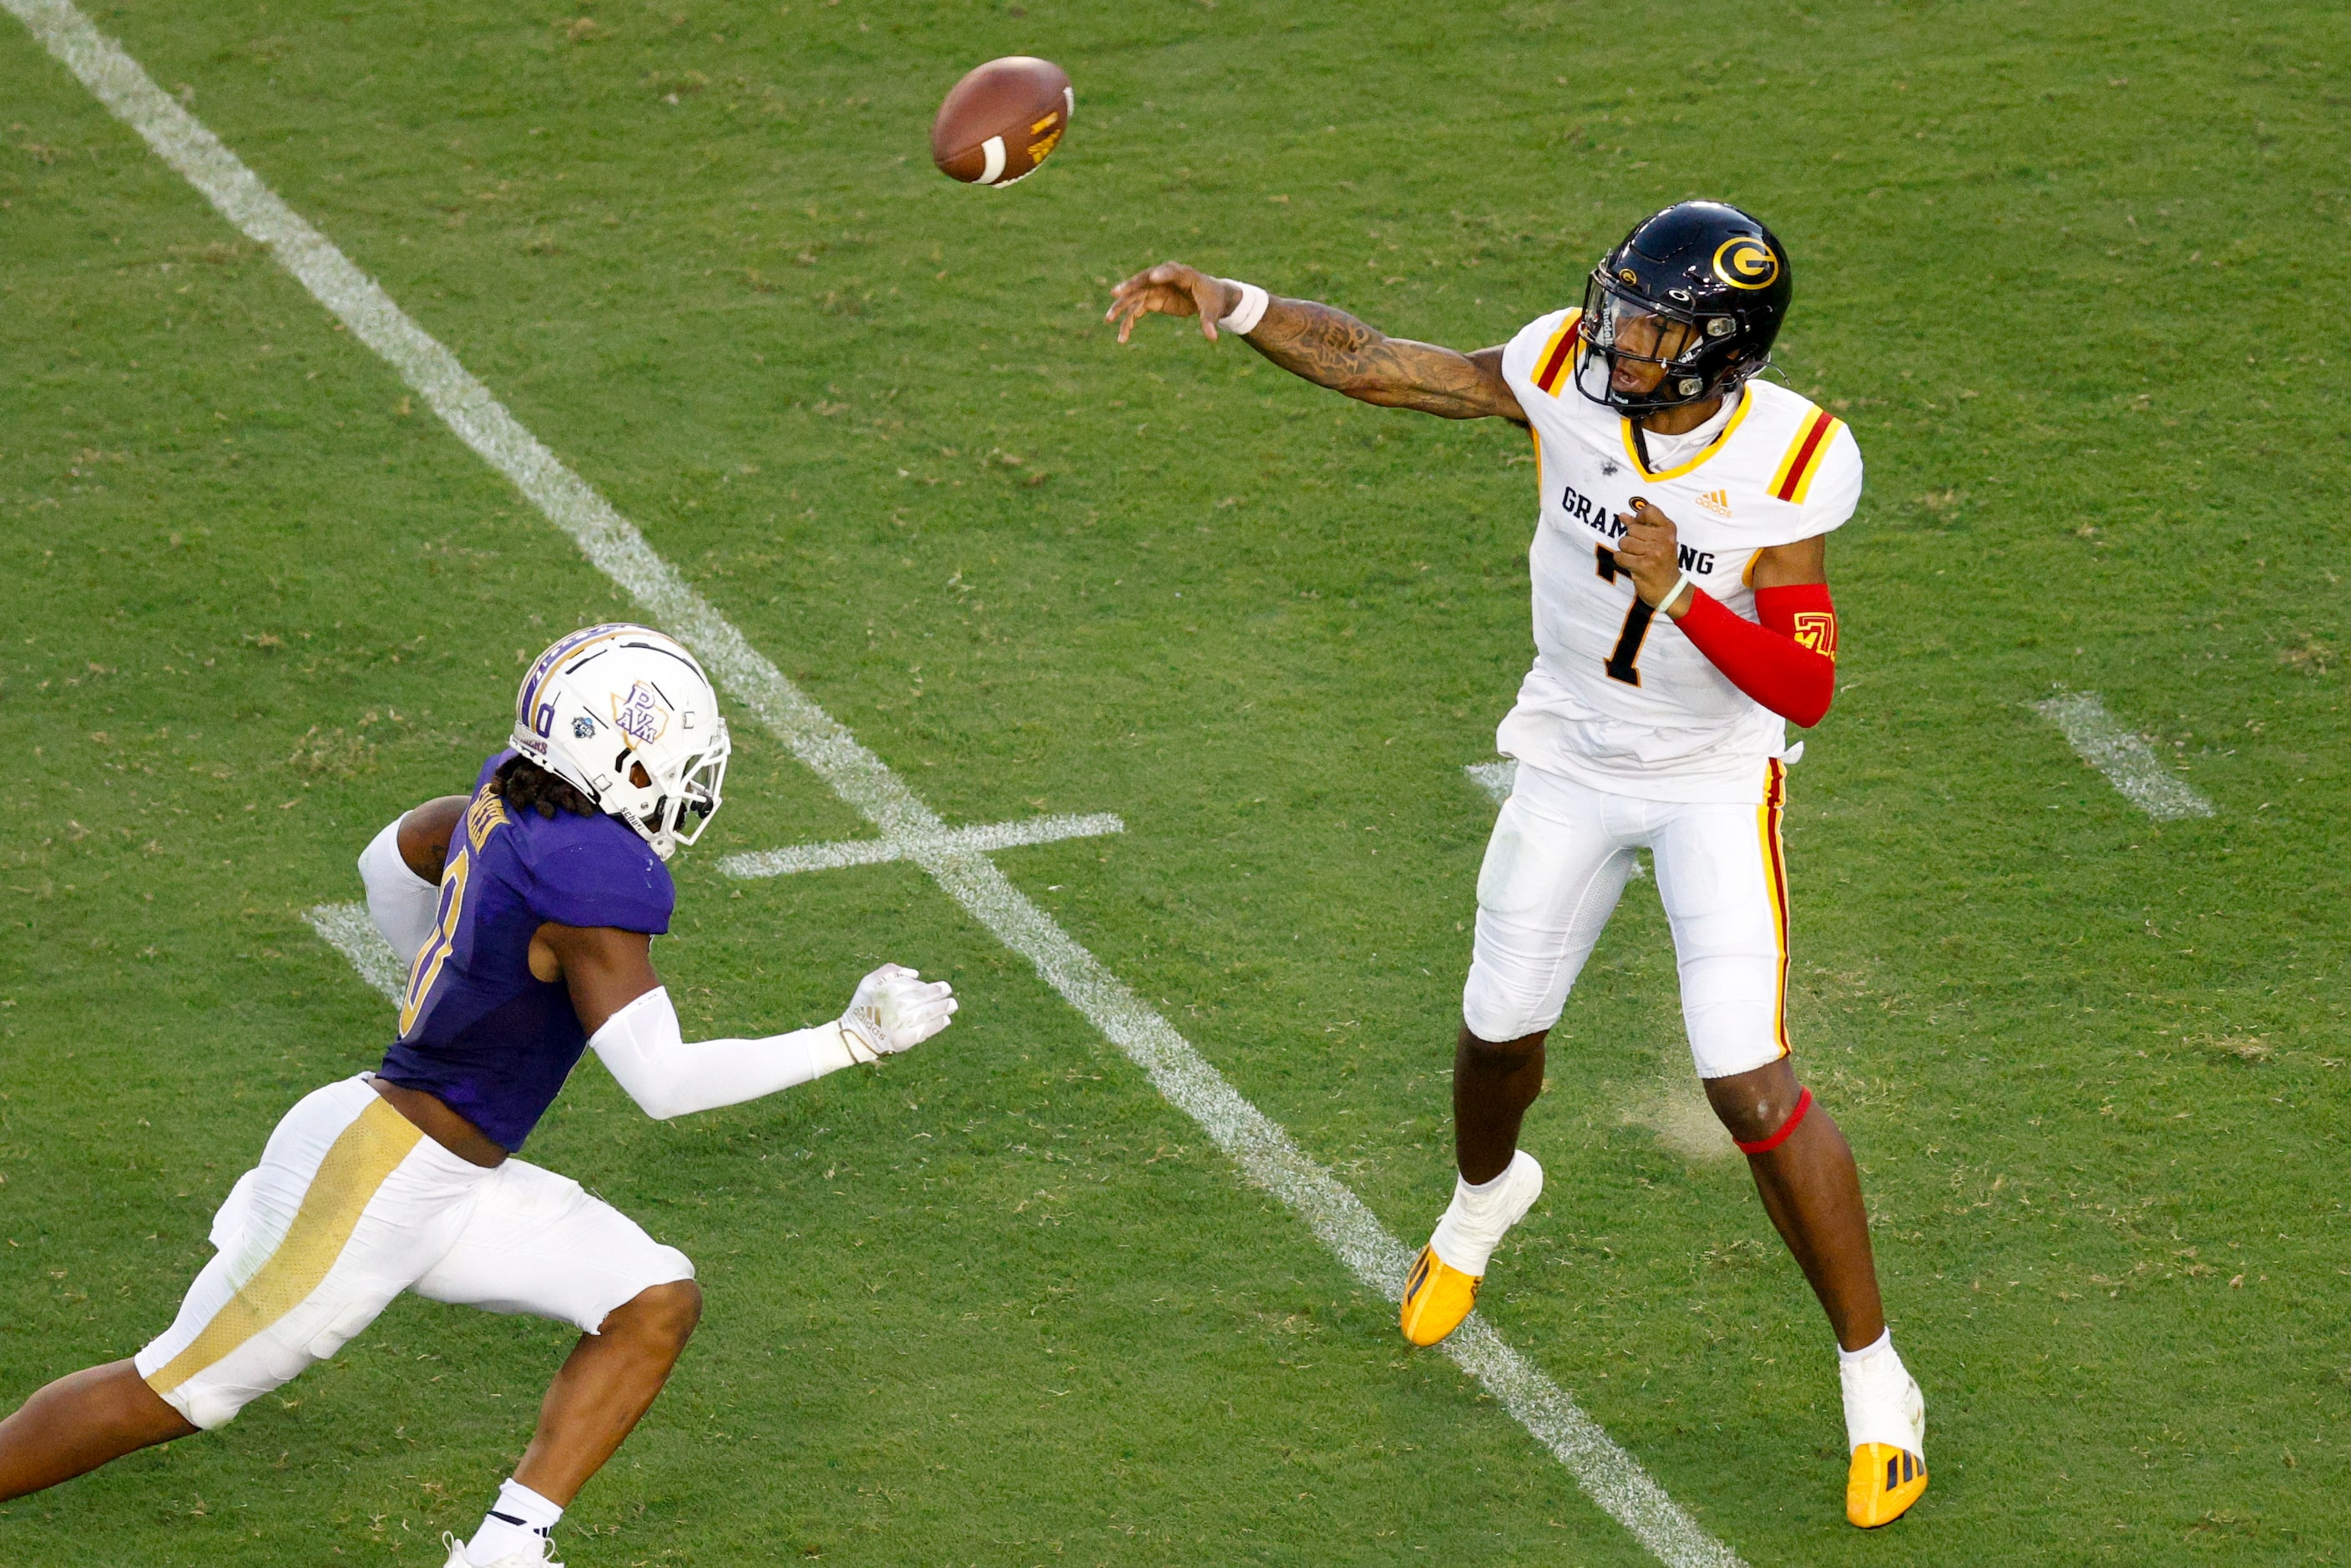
{"type": "Point", "coordinates": [1765, 1146]}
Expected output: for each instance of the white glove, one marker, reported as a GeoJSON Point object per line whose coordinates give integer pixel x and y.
{"type": "Point", "coordinates": [893, 1011]}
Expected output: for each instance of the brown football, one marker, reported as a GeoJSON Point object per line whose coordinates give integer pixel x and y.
{"type": "Point", "coordinates": [1002, 121]}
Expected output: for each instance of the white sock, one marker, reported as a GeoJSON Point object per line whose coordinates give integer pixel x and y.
{"type": "Point", "coordinates": [518, 1519]}
{"type": "Point", "coordinates": [1479, 1214]}
{"type": "Point", "coordinates": [1879, 1405]}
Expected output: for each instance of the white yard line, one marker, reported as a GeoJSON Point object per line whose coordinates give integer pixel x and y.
{"type": "Point", "coordinates": [2123, 756]}
{"type": "Point", "coordinates": [874, 851]}
{"type": "Point", "coordinates": [347, 928]}
{"type": "Point", "coordinates": [1610, 1476]}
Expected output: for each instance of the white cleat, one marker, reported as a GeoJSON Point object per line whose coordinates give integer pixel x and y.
{"type": "Point", "coordinates": [537, 1558]}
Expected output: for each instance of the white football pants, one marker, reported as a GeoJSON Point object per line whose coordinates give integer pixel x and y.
{"type": "Point", "coordinates": [351, 1205]}
{"type": "Point", "coordinates": [1554, 869]}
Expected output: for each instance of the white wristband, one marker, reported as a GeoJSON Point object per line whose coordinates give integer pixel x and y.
{"type": "Point", "coordinates": [1244, 317]}
{"type": "Point", "coordinates": [1666, 605]}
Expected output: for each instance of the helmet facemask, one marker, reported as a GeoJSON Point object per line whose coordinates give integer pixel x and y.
{"type": "Point", "coordinates": [1628, 335]}
{"type": "Point", "coordinates": [681, 794]}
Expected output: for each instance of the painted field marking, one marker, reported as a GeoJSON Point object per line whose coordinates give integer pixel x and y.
{"type": "Point", "coordinates": [955, 841]}
{"type": "Point", "coordinates": [1497, 779]}
{"type": "Point", "coordinates": [2123, 756]}
{"type": "Point", "coordinates": [350, 930]}
{"type": "Point", "coordinates": [1612, 1477]}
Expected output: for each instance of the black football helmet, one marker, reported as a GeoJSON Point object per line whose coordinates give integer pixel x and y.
{"type": "Point", "coordinates": [1699, 290]}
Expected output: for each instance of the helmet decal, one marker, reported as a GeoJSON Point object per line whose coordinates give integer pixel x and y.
{"type": "Point", "coordinates": [1746, 262]}
{"type": "Point", "coordinates": [582, 727]}
{"type": "Point", "coordinates": [642, 716]}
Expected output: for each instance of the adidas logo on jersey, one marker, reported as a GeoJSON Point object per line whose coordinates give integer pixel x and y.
{"type": "Point", "coordinates": [1716, 501]}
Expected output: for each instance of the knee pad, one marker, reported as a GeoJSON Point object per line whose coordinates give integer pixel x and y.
{"type": "Point", "coordinates": [1495, 1011]}
{"type": "Point", "coordinates": [1728, 1038]}
{"type": "Point", "coordinates": [208, 1406]}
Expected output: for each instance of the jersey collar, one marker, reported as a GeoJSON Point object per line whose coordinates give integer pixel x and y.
{"type": "Point", "coordinates": [1633, 447]}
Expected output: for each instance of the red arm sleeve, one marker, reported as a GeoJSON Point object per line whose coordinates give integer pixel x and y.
{"type": "Point", "coordinates": [1788, 663]}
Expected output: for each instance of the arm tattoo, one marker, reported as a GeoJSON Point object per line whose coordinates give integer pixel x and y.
{"type": "Point", "coordinates": [1331, 349]}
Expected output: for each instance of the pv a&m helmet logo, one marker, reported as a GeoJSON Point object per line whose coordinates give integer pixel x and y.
{"type": "Point", "coordinates": [642, 715]}
{"type": "Point", "coordinates": [1745, 262]}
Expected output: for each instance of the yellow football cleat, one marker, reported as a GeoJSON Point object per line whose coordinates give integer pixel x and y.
{"type": "Point", "coordinates": [1884, 1482]}
{"type": "Point", "coordinates": [1436, 1297]}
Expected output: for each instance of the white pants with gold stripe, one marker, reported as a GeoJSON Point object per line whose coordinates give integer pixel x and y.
{"type": "Point", "coordinates": [351, 1205]}
{"type": "Point", "coordinates": [1556, 866]}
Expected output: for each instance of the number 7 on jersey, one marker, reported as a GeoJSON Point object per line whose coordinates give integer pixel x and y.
{"type": "Point", "coordinates": [1622, 661]}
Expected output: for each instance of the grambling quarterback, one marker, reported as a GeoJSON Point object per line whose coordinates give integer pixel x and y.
{"type": "Point", "coordinates": [529, 909]}
{"type": "Point", "coordinates": [1681, 615]}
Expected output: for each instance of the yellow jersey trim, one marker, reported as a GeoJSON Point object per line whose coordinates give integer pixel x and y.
{"type": "Point", "coordinates": [1556, 364]}
{"type": "Point", "coordinates": [1815, 434]}
{"type": "Point", "coordinates": [1737, 417]}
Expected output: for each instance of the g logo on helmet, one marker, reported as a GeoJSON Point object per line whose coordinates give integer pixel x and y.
{"type": "Point", "coordinates": [1746, 262]}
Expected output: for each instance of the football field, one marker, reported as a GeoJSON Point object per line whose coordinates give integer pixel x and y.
{"type": "Point", "coordinates": [2074, 275]}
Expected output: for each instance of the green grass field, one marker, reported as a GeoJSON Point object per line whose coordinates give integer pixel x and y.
{"type": "Point", "coordinates": [2074, 274]}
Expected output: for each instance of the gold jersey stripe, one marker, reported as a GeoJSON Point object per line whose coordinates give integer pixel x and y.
{"type": "Point", "coordinates": [366, 1152]}
{"type": "Point", "coordinates": [1814, 438]}
{"type": "Point", "coordinates": [1775, 876]}
{"type": "Point", "coordinates": [1551, 364]}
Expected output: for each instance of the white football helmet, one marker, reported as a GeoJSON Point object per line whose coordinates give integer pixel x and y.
{"type": "Point", "coordinates": [610, 704]}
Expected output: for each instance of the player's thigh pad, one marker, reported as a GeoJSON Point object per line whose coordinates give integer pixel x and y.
{"type": "Point", "coordinates": [1719, 876]}
{"type": "Point", "coordinates": [349, 1204]}
{"type": "Point", "coordinates": [538, 1243]}
{"type": "Point", "coordinates": [1554, 869]}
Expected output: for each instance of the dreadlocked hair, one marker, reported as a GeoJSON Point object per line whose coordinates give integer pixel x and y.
{"type": "Point", "coordinates": [524, 784]}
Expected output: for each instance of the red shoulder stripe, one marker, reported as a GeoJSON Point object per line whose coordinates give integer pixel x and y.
{"type": "Point", "coordinates": [1814, 429]}
{"type": "Point", "coordinates": [1563, 349]}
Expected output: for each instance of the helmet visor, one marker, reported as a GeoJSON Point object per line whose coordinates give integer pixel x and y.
{"type": "Point", "coordinates": [1644, 355]}
{"type": "Point", "coordinates": [1641, 354]}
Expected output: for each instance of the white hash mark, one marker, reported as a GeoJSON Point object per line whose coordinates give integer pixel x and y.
{"type": "Point", "coordinates": [1495, 778]}
{"type": "Point", "coordinates": [2129, 764]}
{"type": "Point", "coordinates": [1610, 1476]}
{"type": "Point", "coordinates": [351, 931]}
{"type": "Point", "coordinates": [876, 852]}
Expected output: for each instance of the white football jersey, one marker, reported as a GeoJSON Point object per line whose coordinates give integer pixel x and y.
{"type": "Point", "coordinates": [1618, 697]}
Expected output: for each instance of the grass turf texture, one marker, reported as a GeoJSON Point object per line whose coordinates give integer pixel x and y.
{"type": "Point", "coordinates": [2070, 272]}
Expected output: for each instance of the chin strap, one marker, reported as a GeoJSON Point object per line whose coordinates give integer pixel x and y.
{"type": "Point", "coordinates": [1765, 1146]}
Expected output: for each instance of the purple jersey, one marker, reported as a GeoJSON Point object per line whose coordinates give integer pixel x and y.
{"type": "Point", "coordinates": [476, 1028]}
